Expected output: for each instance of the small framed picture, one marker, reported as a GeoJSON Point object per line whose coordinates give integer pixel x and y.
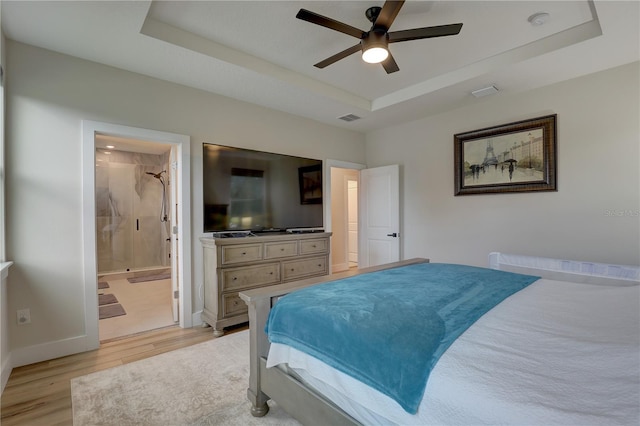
{"type": "Point", "coordinates": [310, 180]}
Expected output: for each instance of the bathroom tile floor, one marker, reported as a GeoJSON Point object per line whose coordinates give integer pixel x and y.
{"type": "Point", "coordinates": [147, 306]}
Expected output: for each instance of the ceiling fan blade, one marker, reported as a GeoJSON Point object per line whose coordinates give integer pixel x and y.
{"type": "Point", "coordinates": [390, 65]}
{"type": "Point", "coordinates": [427, 32]}
{"type": "Point", "coordinates": [335, 58]}
{"type": "Point", "coordinates": [323, 21]}
{"type": "Point", "coordinates": [388, 14]}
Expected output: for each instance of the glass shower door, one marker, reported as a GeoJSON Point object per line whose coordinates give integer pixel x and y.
{"type": "Point", "coordinates": [129, 231]}
{"type": "Point", "coordinates": [115, 223]}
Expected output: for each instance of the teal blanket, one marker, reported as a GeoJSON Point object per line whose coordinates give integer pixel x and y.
{"type": "Point", "coordinates": [389, 328]}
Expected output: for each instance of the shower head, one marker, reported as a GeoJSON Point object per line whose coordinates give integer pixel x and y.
{"type": "Point", "coordinates": [156, 175]}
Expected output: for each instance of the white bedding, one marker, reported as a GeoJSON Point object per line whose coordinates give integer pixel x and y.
{"type": "Point", "coordinates": [556, 353]}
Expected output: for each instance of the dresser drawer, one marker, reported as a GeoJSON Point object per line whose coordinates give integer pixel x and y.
{"type": "Point", "coordinates": [298, 269]}
{"type": "Point", "coordinates": [321, 245]}
{"type": "Point", "coordinates": [276, 250]}
{"type": "Point", "coordinates": [241, 253]}
{"type": "Point", "coordinates": [233, 305]}
{"type": "Point", "coordinates": [234, 279]}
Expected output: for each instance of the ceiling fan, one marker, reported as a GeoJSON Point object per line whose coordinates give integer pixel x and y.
{"type": "Point", "coordinates": [374, 43]}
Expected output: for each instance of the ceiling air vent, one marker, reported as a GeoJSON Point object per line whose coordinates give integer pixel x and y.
{"type": "Point", "coordinates": [349, 117]}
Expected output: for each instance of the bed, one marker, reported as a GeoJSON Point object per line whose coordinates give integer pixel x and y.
{"type": "Point", "coordinates": [559, 347]}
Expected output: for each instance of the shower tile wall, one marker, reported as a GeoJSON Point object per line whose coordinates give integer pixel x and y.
{"type": "Point", "coordinates": [130, 235]}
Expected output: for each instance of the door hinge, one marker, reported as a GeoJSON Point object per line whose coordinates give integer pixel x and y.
{"type": "Point", "coordinates": [176, 294]}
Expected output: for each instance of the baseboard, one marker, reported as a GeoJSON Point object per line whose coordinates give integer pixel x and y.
{"type": "Point", "coordinates": [51, 350]}
{"type": "Point", "coordinates": [6, 371]}
{"type": "Point", "coordinates": [339, 267]}
{"type": "Point", "coordinates": [196, 319]}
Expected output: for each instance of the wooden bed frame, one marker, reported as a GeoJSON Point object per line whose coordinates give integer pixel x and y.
{"type": "Point", "coordinates": [309, 407]}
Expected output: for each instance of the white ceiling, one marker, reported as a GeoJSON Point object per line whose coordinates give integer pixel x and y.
{"type": "Point", "coordinates": [257, 51]}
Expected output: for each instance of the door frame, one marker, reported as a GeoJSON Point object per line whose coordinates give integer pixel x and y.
{"type": "Point", "coordinates": [182, 144]}
{"type": "Point", "coordinates": [326, 177]}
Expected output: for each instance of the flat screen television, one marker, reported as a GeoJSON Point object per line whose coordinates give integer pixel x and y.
{"type": "Point", "coordinates": [246, 190]}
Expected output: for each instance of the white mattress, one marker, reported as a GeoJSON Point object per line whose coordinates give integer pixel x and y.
{"type": "Point", "coordinates": [555, 353]}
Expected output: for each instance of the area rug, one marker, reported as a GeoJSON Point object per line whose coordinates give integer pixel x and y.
{"type": "Point", "coordinates": [200, 385]}
{"type": "Point", "coordinates": [146, 278]}
{"type": "Point", "coordinates": [107, 299]}
{"type": "Point", "coordinates": [110, 311]}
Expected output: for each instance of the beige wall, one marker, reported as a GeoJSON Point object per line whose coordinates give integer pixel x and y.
{"type": "Point", "coordinates": [48, 97]}
{"type": "Point", "coordinates": [594, 214]}
{"type": "Point", "coordinates": [5, 354]}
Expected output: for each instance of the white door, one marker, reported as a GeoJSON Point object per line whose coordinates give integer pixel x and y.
{"type": "Point", "coordinates": [379, 209]}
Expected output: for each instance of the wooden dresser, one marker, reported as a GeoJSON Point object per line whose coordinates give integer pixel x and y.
{"type": "Point", "coordinates": [232, 265]}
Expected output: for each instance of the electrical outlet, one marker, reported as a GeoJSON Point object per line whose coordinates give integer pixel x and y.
{"type": "Point", "coordinates": [24, 316]}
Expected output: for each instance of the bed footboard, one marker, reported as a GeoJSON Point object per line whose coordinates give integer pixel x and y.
{"type": "Point", "coordinates": [299, 401]}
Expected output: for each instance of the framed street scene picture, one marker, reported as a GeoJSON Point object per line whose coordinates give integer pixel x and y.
{"type": "Point", "coordinates": [514, 157]}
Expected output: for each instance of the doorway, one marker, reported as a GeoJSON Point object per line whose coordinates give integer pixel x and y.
{"type": "Point", "coordinates": [363, 214]}
{"type": "Point", "coordinates": [344, 218]}
{"type": "Point", "coordinates": [176, 208]}
{"type": "Point", "coordinates": [133, 224]}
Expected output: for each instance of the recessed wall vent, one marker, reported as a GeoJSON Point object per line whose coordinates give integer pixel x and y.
{"type": "Point", "coordinates": [485, 91]}
{"type": "Point", "coordinates": [349, 117]}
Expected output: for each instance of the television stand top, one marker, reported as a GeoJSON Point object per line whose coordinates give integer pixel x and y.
{"type": "Point", "coordinates": [304, 230]}
{"type": "Point", "coordinates": [233, 234]}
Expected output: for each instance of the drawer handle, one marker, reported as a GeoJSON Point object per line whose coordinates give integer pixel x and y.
{"type": "Point", "coordinates": [235, 278]}
{"type": "Point", "coordinates": [319, 265]}
{"type": "Point", "coordinates": [292, 269]}
{"type": "Point", "coordinates": [282, 249]}
{"type": "Point", "coordinates": [244, 253]}
{"type": "Point", "coordinates": [314, 246]}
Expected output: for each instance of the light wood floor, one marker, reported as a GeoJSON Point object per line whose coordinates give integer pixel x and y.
{"type": "Point", "coordinates": [40, 394]}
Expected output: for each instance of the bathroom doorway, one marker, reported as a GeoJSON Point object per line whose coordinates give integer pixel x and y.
{"type": "Point", "coordinates": [149, 179]}
{"type": "Point", "coordinates": [133, 187]}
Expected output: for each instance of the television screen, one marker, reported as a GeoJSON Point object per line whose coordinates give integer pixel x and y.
{"type": "Point", "coordinates": [246, 190]}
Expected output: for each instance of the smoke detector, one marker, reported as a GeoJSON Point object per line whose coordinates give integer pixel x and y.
{"type": "Point", "coordinates": [538, 19]}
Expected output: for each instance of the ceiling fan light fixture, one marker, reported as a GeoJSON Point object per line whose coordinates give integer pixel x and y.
{"type": "Point", "coordinates": [374, 43]}
{"type": "Point", "coordinates": [374, 48]}
{"type": "Point", "coordinates": [375, 55]}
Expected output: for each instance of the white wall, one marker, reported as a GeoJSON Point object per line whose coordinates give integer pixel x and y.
{"type": "Point", "coordinates": [594, 214]}
{"type": "Point", "coordinates": [48, 95]}
{"type": "Point", "coordinates": [5, 354]}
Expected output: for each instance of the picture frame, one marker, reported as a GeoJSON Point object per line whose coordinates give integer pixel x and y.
{"type": "Point", "coordinates": [513, 157]}
{"type": "Point", "coordinates": [310, 181]}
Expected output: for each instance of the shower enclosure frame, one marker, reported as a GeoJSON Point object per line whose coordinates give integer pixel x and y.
{"type": "Point", "coordinates": [133, 225]}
